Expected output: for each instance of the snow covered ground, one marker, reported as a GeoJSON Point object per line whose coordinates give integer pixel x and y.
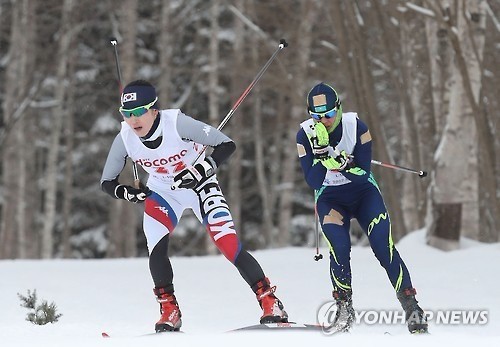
{"type": "Point", "coordinates": [115, 296]}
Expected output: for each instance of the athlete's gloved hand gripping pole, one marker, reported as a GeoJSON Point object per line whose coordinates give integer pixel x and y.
{"type": "Point", "coordinates": [194, 175]}
{"type": "Point", "coordinates": [333, 159]}
{"type": "Point", "coordinates": [132, 194]}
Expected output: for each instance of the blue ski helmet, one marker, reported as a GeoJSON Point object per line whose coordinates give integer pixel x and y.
{"type": "Point", "coordinates": [321, 100]}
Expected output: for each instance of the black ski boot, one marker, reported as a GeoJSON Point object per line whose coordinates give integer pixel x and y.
{"type": "Point", "coordinates": [345, 315]}
{"type": "Point", "coordinates": [415, 316]}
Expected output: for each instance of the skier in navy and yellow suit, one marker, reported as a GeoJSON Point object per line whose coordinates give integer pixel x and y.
{"type": "Point", "coordinates": [335, 153]}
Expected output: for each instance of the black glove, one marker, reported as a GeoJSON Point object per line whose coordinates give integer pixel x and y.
{"type": "Point", "coordinates": [192, 176]}
{"type": "Point", "coordinates": [132, 194]}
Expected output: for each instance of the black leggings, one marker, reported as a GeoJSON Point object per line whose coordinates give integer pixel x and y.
{"type": "Point", "coordinates": [163, 275]}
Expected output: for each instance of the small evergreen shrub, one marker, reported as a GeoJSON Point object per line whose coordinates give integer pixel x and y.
{"type": "Point", "coordinates": [39, 314]}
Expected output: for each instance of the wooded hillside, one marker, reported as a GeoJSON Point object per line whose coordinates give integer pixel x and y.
{"type": "Point", "coordinates": [423, 74]}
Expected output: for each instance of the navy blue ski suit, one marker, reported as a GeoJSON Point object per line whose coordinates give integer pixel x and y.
{"type": "Point", "coordinates": [338, 201]}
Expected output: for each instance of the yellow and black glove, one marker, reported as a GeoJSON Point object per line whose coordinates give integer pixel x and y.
{"type": "Point", "coordinates": [321, 142]}
{"type": "Point", "coordinates": [320, 150]}
{"type": "Point", "coordinates": [338, 163]}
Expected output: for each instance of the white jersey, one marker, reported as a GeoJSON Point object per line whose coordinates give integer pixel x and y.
{"type": "Point", "coordinates": [172, 156]}
{"type": "Point", "coordinates": [347, 144]}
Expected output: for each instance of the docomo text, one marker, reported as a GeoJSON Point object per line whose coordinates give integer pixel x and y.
{"type": "Point", "coordinates": [161, 161]}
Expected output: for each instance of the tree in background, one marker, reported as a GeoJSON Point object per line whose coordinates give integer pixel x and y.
{"type": "Point", "coordinates": [465, 156]}
{"type": "Point", "coordinates": [423, 75]}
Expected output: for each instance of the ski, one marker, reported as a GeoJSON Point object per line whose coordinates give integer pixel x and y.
{"type": "Point", "coordinates": [106, 335]}
{"type": "Point", "coordinates": [280, 326]}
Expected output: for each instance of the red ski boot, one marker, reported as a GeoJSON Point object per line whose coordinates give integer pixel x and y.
{"type": "Point", "coordinates": [170, 319]}
{"type": "Point", "coordinates": [272, 308]}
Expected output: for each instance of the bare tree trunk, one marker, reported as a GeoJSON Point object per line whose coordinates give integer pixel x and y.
{"type": "Point", "coordinates": [213, 86]}
{"type": "Point", "coordinates": [23, 217]}
{"type": "Point", "coordinates": [53, 151]}
{"type": "Point", "coordinates": [124, 216]}
{"type": "Point", "coordinates": [21, 190]}
{"type": "Point", "coordinates": [9, 162]}
{"type": "Point", "coordinates": [362, 81]}
{"type": "Point", "coordinates": [65, 246]}
{"type": "Point", "coordinates": [470, 52]}
{"type": "Point", "coordinates": [409, 76]}
{"type": "Point", "coordinates": [128, 26]}
{"type": "Point", "coordinates": [455, 206]}
{"type": "Point", "coordinates": [213, 74]}
{"type": "Point", "coordinates": [166, 52]}
{"type": "Point", "coordinates": [32, 205]}
{"type": "Point", "coordinates": [265, 190]}
{"type": "Point", "coordinates": [16, 223]}
{"type": "Point", "coordinates": [130, 213]}
{"type": "Point", "coordinates": [237, 124]}
{"type": "Point", "coordinates": [267, 171]}
{"type": "Point", "coordinates": [297, 90]}
{"type": "Point", "coordinates": [441, 59]}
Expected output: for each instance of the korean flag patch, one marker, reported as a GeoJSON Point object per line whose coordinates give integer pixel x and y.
{"type": "Point", "coordinates": [129, 97]}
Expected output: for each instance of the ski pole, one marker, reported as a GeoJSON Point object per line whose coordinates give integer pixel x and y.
{"type": "Point", "coordinates": [114, 42]}
{"type": "Point", "coordinates": [242, 97]}
{"type": "Point", "coordinates": [318, 256]}
{"type": "Point", "coordinates": [420, 173]}
{"type": "Point", "coordinates": [238, 102]}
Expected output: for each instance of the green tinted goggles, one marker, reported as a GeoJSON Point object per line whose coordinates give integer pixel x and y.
{"type": "Point", "coordinates": [137, 111]}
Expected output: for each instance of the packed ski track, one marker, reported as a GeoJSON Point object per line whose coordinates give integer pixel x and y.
{"type": "Point", "coordinates": [115, 297]}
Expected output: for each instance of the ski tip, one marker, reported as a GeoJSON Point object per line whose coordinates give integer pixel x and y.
{"type": "Point", "coordinates": [105, 334]}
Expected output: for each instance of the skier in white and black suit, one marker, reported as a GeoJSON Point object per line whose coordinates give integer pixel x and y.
{"type": "Point", "coordinates": [165, 143]}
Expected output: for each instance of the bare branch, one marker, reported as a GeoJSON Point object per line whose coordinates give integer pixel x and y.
{"type": "Point", "coordinates": [249, 23]}
{"type": "Point", "coordinates": [329, 45]}
{"type": "Point", "coordinates": [18, 114]}
{"type": "Point", "coordinates": [492, 15]}
{"type": "Point", "coordinates": [470, 23]}
{"type": "Point", "coordinates": [419, 9]}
